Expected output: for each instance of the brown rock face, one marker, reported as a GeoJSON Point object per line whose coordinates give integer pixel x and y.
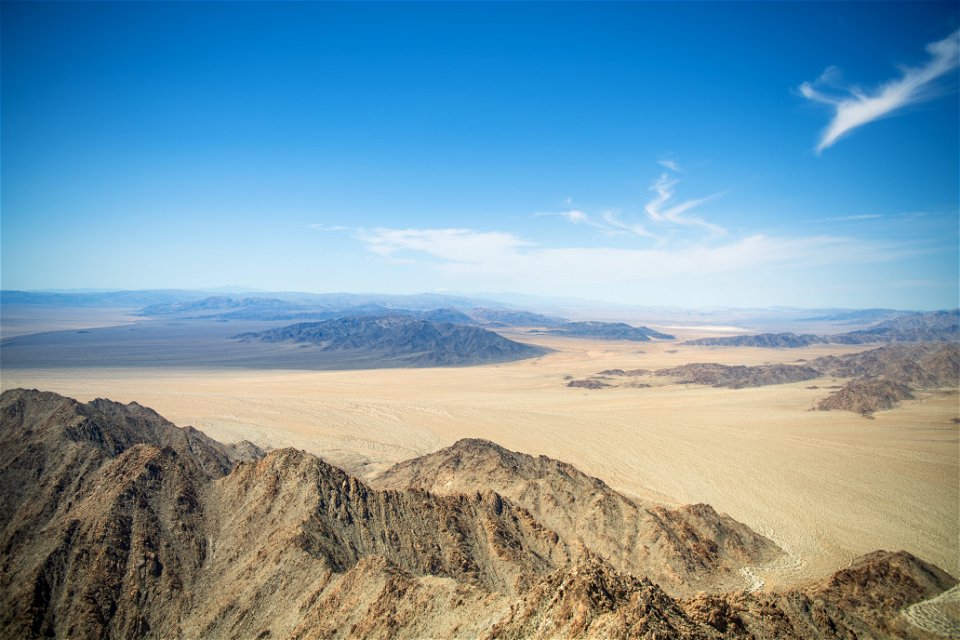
{"type": "Point", "coordinates": [117, 524]}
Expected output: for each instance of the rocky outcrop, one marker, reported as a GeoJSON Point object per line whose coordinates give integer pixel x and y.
{"type": "Point", "coordinates": [739, 376]}
{"type": "Point", "coordinates": [866, 396]}
{"type": "Point", "coordinates": [588, 383]}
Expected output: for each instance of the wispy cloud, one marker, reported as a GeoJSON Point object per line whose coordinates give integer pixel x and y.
{"type": "Point", "coordinates": [855, 108]}
{"type": "Point", "coordinates": [328, 227]}
{"type": "Point", "coordinates": [608, 222]}
{"type": "Point", "coordinates": [853, 218]}
{"type": "Point", "coordinates": [663, 209]}
{"type": "Point", "coordinates": [457, 245]}
{"type": "Point", "coordinates": [488, 256]}
{"type": "Point", "coordinates": [862, 216]}
{"type": "Point", "coordinates": [673, 165]}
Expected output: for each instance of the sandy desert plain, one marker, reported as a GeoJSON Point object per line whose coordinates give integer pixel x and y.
{"type": "Point", "coordinates": [825, 486]}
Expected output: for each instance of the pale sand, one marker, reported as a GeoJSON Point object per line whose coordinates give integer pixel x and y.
{"type": "Point", "coordinates": [826, 486]}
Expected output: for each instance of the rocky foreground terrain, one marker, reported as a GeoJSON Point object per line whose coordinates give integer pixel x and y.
{"type": "Point", "coordinates": [116, 523]}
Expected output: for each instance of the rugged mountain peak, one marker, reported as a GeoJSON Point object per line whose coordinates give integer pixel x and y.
{"type": "Point", "coordinates": [684, 549]}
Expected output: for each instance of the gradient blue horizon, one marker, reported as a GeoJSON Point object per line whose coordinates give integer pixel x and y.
{"type": "Point", "coordinates": [409, 147]}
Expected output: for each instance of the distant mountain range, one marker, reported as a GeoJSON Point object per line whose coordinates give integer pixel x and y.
{"type": "Point", "coordinates": [909, 327]}
{"type": "Point", "coordinates": [117, 524]}
{"type": "Point", "coordinates": [269, 309]}
{"type": "Point", "coordinates": [857, 316]}
{"type": "Point", "coordinates": [608, 331]}
{"type": "Point", "coordinates": [401, 339]}
{"type": "Point", "coordinates": [513, 318]}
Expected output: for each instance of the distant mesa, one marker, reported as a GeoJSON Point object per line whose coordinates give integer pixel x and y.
{"type": "Point", "coordinates": [116, 523]}
{"type": "Point", "coordinates": [401, 339]}
{"type": "Point", "coordinates": [608, 331]}
{"type": "Point", "coordinates": [934, 326]}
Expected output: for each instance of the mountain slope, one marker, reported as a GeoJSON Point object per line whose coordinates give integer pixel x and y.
{"type": "Point", "coordinates": [402, 339]}
{"type": "Point", "coordinates": [119, 524]}
{"type": "Point", "coordinates": [683, 549]}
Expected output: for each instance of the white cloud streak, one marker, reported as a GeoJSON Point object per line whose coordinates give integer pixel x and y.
{"type": "Point", "coordinates": [660, 208]}
{"type": "Point", "coordinates": [489, 256]}
{"type": "Point", "coordinates": [856, 108]}
{"type": "Point", "coordinates": [608, 222]}
{"type": "Point", "coordinates": [456, 245]}
{"type": "Point", "coordinates": [862, 216]}
{"type": "Point", "coordinates": [673, 165]}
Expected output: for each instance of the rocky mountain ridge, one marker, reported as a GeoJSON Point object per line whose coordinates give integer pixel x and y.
{"type": "Point", "coordinates": [116, 523]}
{"type": "Point", "coordinates": [401, 339]}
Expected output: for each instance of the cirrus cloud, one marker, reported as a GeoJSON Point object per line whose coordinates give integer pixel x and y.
{"type": "Point", "coordinates": [854, 108]}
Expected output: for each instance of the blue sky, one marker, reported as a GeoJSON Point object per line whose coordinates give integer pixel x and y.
{"type": "Point", "coordinates": [689, 154]}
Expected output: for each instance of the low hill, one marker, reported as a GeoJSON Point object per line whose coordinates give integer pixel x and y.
{"type": "Point", "coordinates": [866, 396]}
{"type": "Point", "coordinates": [401, 339]}
{"type": "Point", "coordinates": [739, 376]}
{"type": "Point", "coordinates": [116, 523]}
{"type": "Point", "coordinates": [608, 331]}
{"type": "Point", "coordinates": [768, 340]}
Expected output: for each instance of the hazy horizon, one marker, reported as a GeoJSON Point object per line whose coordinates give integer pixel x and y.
{"type": "Point", "coordinates": [664, 154]}
{"type": "Point", "coordinates": [508, 298]}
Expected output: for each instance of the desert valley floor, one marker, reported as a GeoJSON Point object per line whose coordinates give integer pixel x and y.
{"type": "Point", "coordinates": [825, 486]}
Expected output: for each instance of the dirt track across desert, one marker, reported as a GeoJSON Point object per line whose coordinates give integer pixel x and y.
{"type": "Point", "coordinates": [826, 486]}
